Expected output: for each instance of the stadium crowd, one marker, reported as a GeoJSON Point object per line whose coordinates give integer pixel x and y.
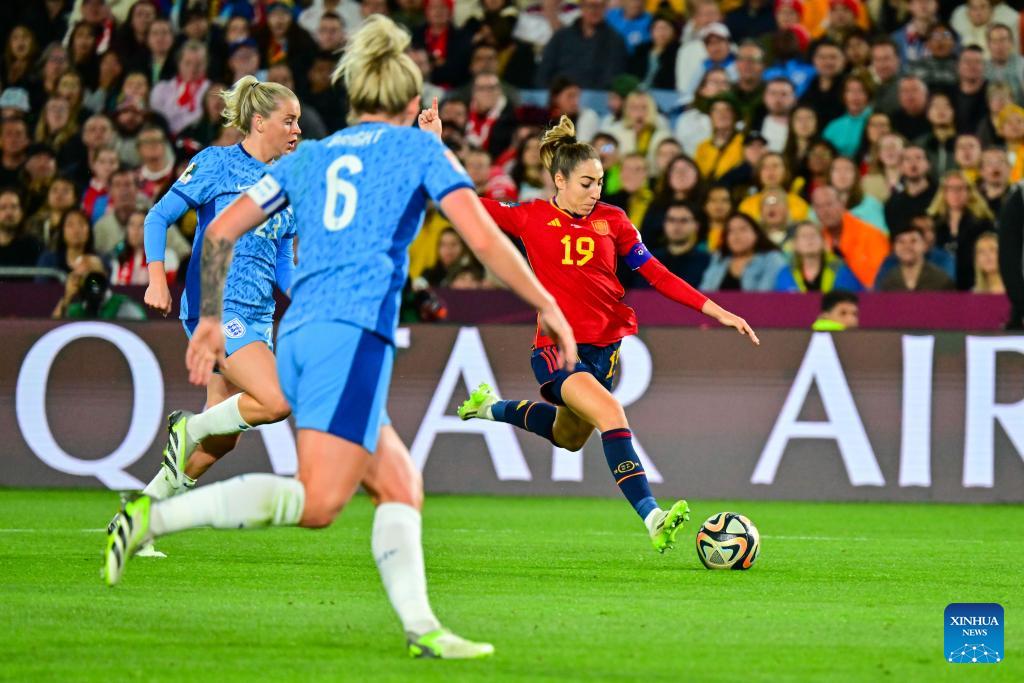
{"type": "Point", "coordinates": [794, 145]}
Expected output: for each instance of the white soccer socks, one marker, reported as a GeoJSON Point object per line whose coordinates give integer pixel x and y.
{"type": "Point", "coordinates": [398, 551]}
{"type": "Point", "coordinates": [245, 502]}
{"type": "Point", "coordinates": [223, 418]}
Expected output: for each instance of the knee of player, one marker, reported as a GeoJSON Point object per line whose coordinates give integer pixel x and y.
{"type": "Point", "coordinates": [275, 409]}
{"type": "Point", "coordinates": [573, 443]}
{"type": "Point", "coordinates": [406, 489]}
{"type": "Point", "coordinates": [614, 417]}
{"type": "Point", "coordinates": [320, 511]}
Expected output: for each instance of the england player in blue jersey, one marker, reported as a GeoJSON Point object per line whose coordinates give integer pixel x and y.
{"type": "Point", "coordinates": [245, 392]}
{"type": "Point", "coordinates": [359, 198]}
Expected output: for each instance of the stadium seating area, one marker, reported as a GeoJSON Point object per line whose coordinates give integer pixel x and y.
{"type": "Point", "coordinates": [787, 146]}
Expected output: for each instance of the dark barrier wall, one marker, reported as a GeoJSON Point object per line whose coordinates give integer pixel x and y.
{"type": "Point", "coordinates": [856, 416]}
{"type": "Point", "coordinates": [955, 311]}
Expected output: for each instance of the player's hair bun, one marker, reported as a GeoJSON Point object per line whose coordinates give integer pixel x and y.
{"type": "Point", "coordinates": [377, 72]}
{"type": "Point", "coordinates": [560, 151]}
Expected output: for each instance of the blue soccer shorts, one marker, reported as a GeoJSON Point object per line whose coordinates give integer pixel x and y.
{"type": "Point", "coordinates": [336, 378]}
{"type": "Point", "coordinates": [239, 331]}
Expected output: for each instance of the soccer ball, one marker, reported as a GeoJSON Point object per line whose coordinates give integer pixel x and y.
{"type": "Point", "coordinates": [728, 540]}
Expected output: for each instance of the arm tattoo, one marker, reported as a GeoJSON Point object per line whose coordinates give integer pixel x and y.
{"type": "Point", "coordinates": [216, 259]}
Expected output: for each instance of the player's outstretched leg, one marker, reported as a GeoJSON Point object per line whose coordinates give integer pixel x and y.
{"type": "Point", "coordinates": [246, 501]}
{"type": "Point", "coordinates": [589, 400]}
{"type": "Point", "coordinates": [532, 416]}
{"type": "Point", "coordinates": [396, 487]}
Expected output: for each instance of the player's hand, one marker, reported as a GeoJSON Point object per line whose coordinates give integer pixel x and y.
{"type": "Point", "coordinates": [739, 324]}
{"type": "Point", "coordinates": [555, 326]}
{"type": "Point", "coordinates": [205, 349]}
{"type": "Point", "coordinates": [430, 120]}
{"type": "Point", "coordinates": [158, 296]}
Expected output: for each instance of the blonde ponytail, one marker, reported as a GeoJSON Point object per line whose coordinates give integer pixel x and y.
{"type": "Point", "coordinates": [560, 152]}
{"type": "Point", "coordinates": [249, 97]}
{"type": "Point", "coordinates": [378, 74]}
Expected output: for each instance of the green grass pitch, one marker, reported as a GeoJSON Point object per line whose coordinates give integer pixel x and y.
{"type": "Point", "coordinates": [567, 590]}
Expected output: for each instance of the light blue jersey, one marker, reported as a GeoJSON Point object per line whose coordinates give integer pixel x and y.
{"type": "Point", "coordinates": [359, 197]}
{"type": "Point", "coordinates": [214, 179]}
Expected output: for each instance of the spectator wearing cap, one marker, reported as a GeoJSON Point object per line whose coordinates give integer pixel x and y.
{"type": "Point", "coordinates": [841, 18]}
{"type": "Point", "coordinates": [16, 248]}
{"type": "Point", "coordinates": [244, 60]}
{"type": "Point", "coordinates": [969, 98]}
{"type": "Point", "coordinates": [861, 244]}
{"type": "Point", "coordinates": [632, 22]}
{"type": "Point", "coordinates": [825, 90]}
{"type": "Point", "coordinates": [909, 119]}
{"type": "Point", "coordinates": [914, 193]}
{"type": "Point", "coordinates": [812, 267]}
{"type": "Point", "coordinates": [14, 140]}
{"type": "Point", "coordinates": [622, 85]}
{"type": "Point", "coordinates": [770, 175]}
{"type": "Point", "coordinates": [973, 18]}
{"type": "Point", "coordinates": [692, 53]}
{"type": "Point", "coordinates": [281, 40]}
{"type": "Point", "coordinates": [937, 68]}
{"type": "Point", "coordinates": [654, 61]}
{"type": "Point", "coordinates": [640, 129]}
{"type": "Point", "coordinates": [885, 70]}
{"type": "Point", "coordinates": [14, 103]}
{"type": "Point", "coordinates": [789, 13]}
{"type": "Point", "coordinates": [159, 45]}
{"type": "Point", "coordinates": [180, 100]}
{"type": "Point", "coordinates": [589, 51]}
{"type": "Point", "coordinates": [718, 52]}
{"type": "Point", "coordinates": [911, 38]}
{"type": "Point", "coordinates": [448, 46]}
{"type": "Point", "coordinates": [846, 132]}
{"type": "Point", "coordinates": [913, 273]}
{"type": "Point", "coordinates": [39, 171]}
{"type": "Point", "coordinates": [752, 19]}
{"type": "Point", "coordinates": [1005, 63]}
{"type": "Point", "coordinates": [723, 150]}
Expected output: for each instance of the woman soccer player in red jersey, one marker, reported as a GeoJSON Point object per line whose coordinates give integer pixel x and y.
{"type": "Point", "coordinates": [573, 242]}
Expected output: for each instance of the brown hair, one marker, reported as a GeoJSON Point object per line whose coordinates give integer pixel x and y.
{"type": "Point", "coordinates": [561, 152]}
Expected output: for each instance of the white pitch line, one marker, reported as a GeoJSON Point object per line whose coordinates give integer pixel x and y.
{"type": "Point", "coordinates": [28, 531]}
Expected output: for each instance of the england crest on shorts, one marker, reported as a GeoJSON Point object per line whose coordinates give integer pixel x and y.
{"type": "Point", "coordinates": [234, 328]}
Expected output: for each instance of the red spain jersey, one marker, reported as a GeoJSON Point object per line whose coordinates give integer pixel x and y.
{"type": "Point", "coordinates": [575, 259]}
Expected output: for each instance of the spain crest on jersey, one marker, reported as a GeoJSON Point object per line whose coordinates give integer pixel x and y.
{"type": "Point", "coordinates": [600, 227]}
